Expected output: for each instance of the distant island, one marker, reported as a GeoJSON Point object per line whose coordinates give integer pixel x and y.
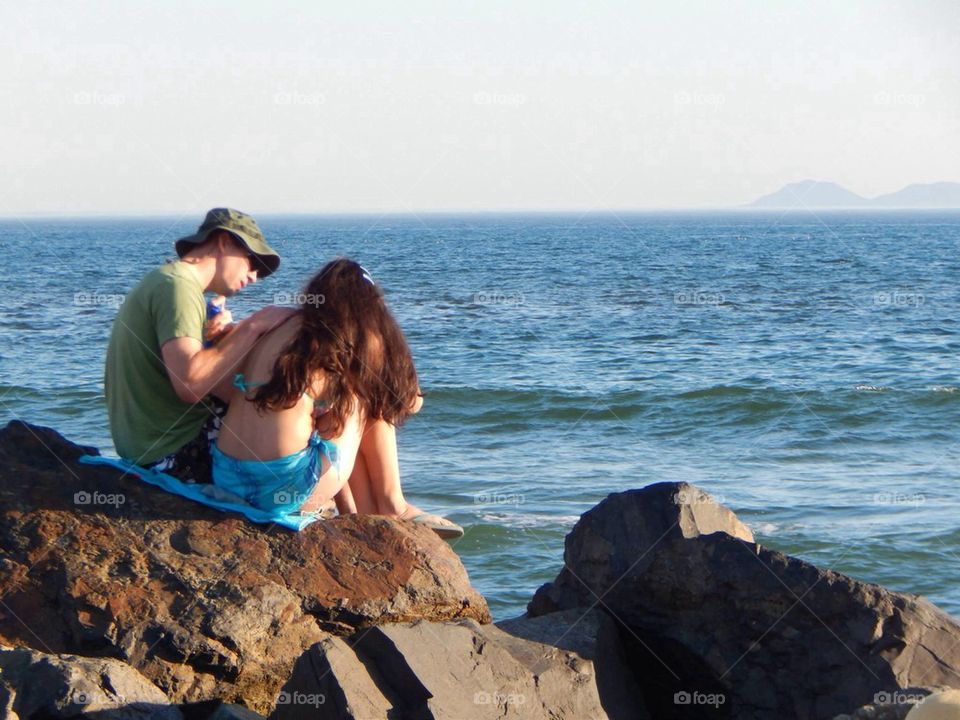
{"type": "Point", "coordinates": [813, 194]}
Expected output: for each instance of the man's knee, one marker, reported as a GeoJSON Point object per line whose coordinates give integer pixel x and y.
{"type": "Point", "coordinates": [194, 462]}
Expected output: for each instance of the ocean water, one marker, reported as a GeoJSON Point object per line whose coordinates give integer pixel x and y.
{"type": "Point", "coordinates": [802, 368]}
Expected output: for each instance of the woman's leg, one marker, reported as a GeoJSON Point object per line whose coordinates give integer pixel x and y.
{"type": "Point", "coordinates": [369, 479]}
{"type": "Point", "coordinates": [346, 505]}
{"type": "Point", "coordinates": [381, 470]}
{"type": "Point", "coordinates": [333, 479]}
{"type": "Point", "coordinates": [358, 486]}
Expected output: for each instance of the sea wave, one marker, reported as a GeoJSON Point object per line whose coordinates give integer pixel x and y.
{"type": "Point", "coordinates": [508, 410]}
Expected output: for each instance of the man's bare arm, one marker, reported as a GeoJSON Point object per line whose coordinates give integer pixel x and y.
{"type": "Point", "coordinates": [196, 372]}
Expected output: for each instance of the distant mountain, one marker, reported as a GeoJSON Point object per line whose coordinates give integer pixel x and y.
{"type": "Point", "coordinates": [817, 194]}
{"type": "Point", "coordinates": [810, 193]}
{"type": "Point", "coordinates": [931, 195]}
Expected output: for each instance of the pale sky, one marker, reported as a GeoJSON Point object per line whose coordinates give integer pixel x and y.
{"type": "Point", "coordinates": [120, 107]}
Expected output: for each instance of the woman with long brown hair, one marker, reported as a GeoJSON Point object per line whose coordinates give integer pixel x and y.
{"type": "Point", "coordinates": [314, 410]}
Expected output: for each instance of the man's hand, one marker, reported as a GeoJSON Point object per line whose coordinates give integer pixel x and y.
{"type": "Point", "coordinates": [220, 324]}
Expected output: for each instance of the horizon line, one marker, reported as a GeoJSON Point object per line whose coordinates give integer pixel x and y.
{"type": "Point", "coordinates": [93, 214]}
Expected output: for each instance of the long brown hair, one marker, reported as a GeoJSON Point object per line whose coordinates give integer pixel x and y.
{"type": "Point", "coordinates": [348, 335]}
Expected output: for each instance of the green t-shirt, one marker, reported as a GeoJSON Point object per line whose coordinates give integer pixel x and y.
{"type": "Point", "coordinates": [147, 419]}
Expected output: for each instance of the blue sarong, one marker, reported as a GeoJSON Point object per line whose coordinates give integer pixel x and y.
{"type": "Point", "coordinates": [265, 491]}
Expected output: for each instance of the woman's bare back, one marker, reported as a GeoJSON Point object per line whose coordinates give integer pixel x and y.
{"type": "Point", "coordinates": [248, 434]}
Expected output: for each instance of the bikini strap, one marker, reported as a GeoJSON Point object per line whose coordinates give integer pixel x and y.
{"type": "Point", "coordinates": [241, 384]}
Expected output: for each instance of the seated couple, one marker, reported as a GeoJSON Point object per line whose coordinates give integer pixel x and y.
{"type": "Point", "coordinates": [289, 409]}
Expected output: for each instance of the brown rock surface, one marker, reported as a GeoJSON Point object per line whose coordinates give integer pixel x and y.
{"type": "Point", "coordinates": [203, 603]}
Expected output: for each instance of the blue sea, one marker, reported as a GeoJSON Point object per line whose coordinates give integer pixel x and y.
{"type": "Point", "coordinates": [801, 367]}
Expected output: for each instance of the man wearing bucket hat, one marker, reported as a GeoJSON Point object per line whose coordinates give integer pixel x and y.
{"type": "Point", "coordinates": [161, 383]}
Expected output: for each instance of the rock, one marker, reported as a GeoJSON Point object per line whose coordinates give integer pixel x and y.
{"type": "Point", "coordinates": [894, 705]}
{"type": "Point", "coordinates": [450, 670]}
{"type": "Point", "coordinates": [228, 711]}
{"type": "Point", "coordinates": [330, 681]}
{"type": "Point", "coordinates": [205, 604]}
{"type": "Point", "coordinates": [941, 705]}
{"type": "Point", "coordinates": [35, 684]}
{"type": "Point", "coordinates": [594, 636]}
{"type": "Point", "coordinates": [716, 625]}
{"type": "Point", "coordinates": [617, 536]}
{"type": "Point", "coordinates": [217, 710]}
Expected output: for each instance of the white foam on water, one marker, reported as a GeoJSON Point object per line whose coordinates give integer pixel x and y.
{"type": "Point", "coordinates": [530, 520]}
{"type": "Point", "coordinates": [871, 388]}
{"type": "Point", "coordinates": [767, 528]}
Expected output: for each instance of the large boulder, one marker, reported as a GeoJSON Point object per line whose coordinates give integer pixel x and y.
{"type": "Point", "coordinates": [42, 685]}
{"type": "Point", "coordinates": [203, 603]}
{"type": "Point", "coordinates": [624, 534]}
{"type": "Point", "coordinates": [594, 636]}
{"type": "Point", "coordinates": [718, 626]}
{"type": "Point", "coordinates": [445, 671]}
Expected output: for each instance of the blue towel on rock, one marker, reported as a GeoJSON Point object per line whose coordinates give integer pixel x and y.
{"type": "Point", "coordinates": [207, 494]}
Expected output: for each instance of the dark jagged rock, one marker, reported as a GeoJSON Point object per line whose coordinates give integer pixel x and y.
{"type": "Point", "coordinates": [445, 671]}
{"type": "Point", "coordinates": [718, 626]}
{"type": "Point", "coordinates": [203, 603]}
{"type": "Point", "coordinates": [623, 535]}
{"type": "Point", "coordinates": [41, 685]}
{"type": "Point", "coordinates": [595, 636]}
{"type": "Point", "coordinates": [217, 710]}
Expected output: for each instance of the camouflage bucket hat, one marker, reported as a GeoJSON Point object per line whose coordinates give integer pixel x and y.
{"type": "Point", "coordinates": [243, 228]}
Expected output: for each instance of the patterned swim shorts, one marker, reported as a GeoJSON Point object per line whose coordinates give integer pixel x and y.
{"type": "Point", "coordinates": [192, 463]}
